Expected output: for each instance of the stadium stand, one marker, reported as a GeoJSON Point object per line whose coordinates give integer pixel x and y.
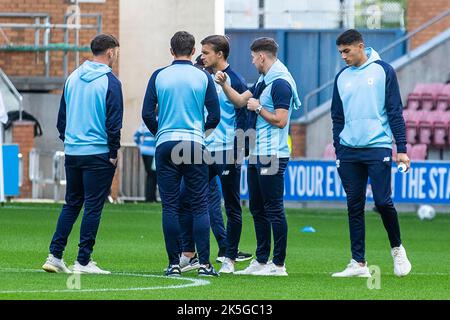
{"type": "Point", "coordinates": [443, 99]}
{"type": "Point", "coordinates": [427, 118]}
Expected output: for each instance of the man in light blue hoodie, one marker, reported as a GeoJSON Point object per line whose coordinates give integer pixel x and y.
{"type": "Point", "coordinates": [367, 116]}
{"type": "Point", "coordinates": [89, 124]}
{"type": "Point", "coordinates": [270, 102]}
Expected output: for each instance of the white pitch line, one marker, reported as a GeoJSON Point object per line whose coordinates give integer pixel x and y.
{"type": "Point", "coordinates": [141, 272]}
{"type": "Point", "coordinates": [193, 283]}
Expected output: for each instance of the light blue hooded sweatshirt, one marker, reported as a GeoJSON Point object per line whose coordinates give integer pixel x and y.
{"type": "Point", "coordinates": [91, 111]}
{"type": "Point", "coordinates": [366, 107]}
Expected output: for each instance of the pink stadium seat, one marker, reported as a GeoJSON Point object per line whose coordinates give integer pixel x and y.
{"type": "Point", "coordinates": [443, 98]}
{"type": "Point", "coordinates": [425, 126]}
{"type": "Point", "coordinates": [414, 98]}
{"type": "Point", "coordinates": [412, 118]}
{"type": "Point", "coordinates": [413, 102]}
{"type": "Point", "coordinates": [439, 134]}
{"type": "Point", "coordinates": [440, 128]}
{"type": "Point", "coordinates": [329, 152]}
{"type": "Point", "coordinates": [429, 95]}
{"type": "Point", "coordinates": [418, 152]}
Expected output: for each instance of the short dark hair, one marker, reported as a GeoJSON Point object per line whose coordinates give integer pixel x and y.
{"type": "Point", "coordinates": [219, 43]}
{"type": "Point", "coordinates": [199, 64]}
{"type": "Point", "coordinates": [265, 44]}
{"type": "Point", "coordinates": [182, 43]}
{"type": "Point", "coordinates": [349, 37]}
{"type": "Point", "coordinates": [103, 42]}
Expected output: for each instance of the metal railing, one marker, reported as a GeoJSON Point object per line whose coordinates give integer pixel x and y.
{"type": "Point", "coordinates": [39, 162]}
{"type": "Point", "coordinates": [98, 26]}
{"type": "Point", "coordinates": [132, 174]}
{"type": "Point", "coordinates": [385, 49]}
{"type": "Point", "coordinates": [46, 168]}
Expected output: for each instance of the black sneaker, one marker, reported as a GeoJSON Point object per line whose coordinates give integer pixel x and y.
{"type": "Point", "coordinates": [242, 256]}
{"type": "Point", "coordinates": [207, 271]}
{"type": "Point", "coordinates": [173, 271]}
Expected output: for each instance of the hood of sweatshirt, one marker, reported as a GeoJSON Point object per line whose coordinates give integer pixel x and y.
{"type": "Point", "coordinates": [89, 70]}
{"type": "Point", "coordinates": [279, 71]}
{"type": "Point", "coordinates": [372, 56]}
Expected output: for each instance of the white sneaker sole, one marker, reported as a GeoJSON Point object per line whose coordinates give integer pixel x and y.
{"type": "Point", "coordinates": [89, 272]}
{"type": "Point", "coordinates": [226, 271]}
{"type": "Point", "coordinates": [243, 259]}
{"type": "Point", "coordinates": [403, 274]}
{"type": "Point", "coordinates": [54, 269]}
{"type": "Point", "coordinates": [190, 268]}
{"type": "Point", "coordinates": [351, 276]}
{"type": "Point", "coordinates": [244, 273]}
{"type": "Point", "coordinates": [270, 274]}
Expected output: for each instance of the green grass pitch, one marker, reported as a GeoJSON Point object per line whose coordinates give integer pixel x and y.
{"type": "Point", "coordinates": [130, 244]}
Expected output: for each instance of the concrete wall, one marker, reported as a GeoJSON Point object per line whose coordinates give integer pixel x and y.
{"type": "Point", "coordinates": [146, 27]}
{"type": "Point", "coordinates": [318, 135]}
{"type": "Point", "coordinates": [45, 107]}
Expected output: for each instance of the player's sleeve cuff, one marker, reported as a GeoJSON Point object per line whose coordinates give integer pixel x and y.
{"type": "Point", "coordinates": [401, 148]}
{"type": "Point", "coordinates": [113, 154]}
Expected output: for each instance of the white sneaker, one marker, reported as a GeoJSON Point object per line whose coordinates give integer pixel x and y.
{"type": "Point", "coordinates": [271, 269]}
{"type": "Point", "coordinates": [55, 265]}
{"type": "Point", "coordinates": [402, 266]}
{"type": "Point", "coordinates": [227, 266]}
{"type": "Point", "coordinates": [188, 264]}
{"type": "Point", "coordinates": [354, 269]}
{"type": "Point", "coordinates": [253, 267]}
{"type": "Point", "coordinates": [91, 267]}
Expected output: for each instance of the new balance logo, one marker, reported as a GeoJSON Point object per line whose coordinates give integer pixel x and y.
{"type": "Point", "coordinates": [264, 170]}
{"type": "Point", "coordinates": [386, 159]}
{"type": "Point", "coordinates": [225, 172]}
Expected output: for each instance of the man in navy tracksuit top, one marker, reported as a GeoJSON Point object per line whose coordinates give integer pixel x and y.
{"type": "Point", "coordinates": [270, 102]}
{"type": "Point", "coordinates": [367, 115]}
{"type": "Point", "coordinates": [181, 92]}
{"type": "Point", "coordinates": [226, 162]}
{"type": "Point", "coordinates": [89, 124]}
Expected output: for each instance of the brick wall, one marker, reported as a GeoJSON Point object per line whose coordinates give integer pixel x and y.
{"type": "Point", "coordinates": [32, 64]}
{"type": "Point", "coordinates": [23, 134]}
{"type": "Point", "coordinates": [298, 136]}
{"type": "Point", "coordinates": [419, 12]}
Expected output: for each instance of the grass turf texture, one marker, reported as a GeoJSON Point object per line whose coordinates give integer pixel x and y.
{"type": "Point", "coordinates": [130, 241]}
